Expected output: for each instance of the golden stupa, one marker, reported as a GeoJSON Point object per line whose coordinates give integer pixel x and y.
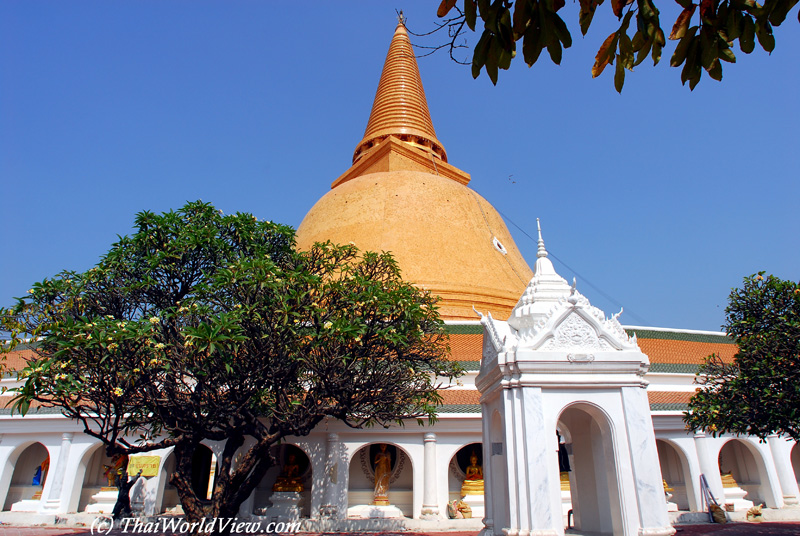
{"type": "Point", "coordinates": [400, 195]}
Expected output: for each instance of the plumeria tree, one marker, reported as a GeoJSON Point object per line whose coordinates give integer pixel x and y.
{"type": "Point", "coordinates": [201, 326]}
{"type": "Point", "coordinates": [759, 392]}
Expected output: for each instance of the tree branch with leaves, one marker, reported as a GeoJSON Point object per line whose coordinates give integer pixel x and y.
{"type": "Point", "coordinates": [205, 327]}
{"type": "Point", "coordinates": [758, 393]}
{"type": "Point", "coordinates": [706, 33]}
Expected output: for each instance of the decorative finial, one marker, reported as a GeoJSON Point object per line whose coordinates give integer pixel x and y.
{"type": "Point", "coordinates": [541, 252]}
{"type": "Point", "coordinates": [573, 297]}
{"type": "Point", "coordinates": [401, 18]}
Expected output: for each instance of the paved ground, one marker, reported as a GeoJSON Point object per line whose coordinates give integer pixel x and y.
{"type": "Point", "coordinates": [730, 529]}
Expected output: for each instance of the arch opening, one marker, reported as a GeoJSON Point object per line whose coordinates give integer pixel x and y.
{"type": "Point", "coordinates": [676, 477]}
{"type": "Point", "coordinates": [593, 480]}
{"type": "Point", "coordinates": [465, 480]}
{"type": "Point", "coordinates": [292, 473]}
{"type": "Point", "coordinates": [382, 477]}
{"type": "Point", "coordinates": [29, 476]}
{"type": "Point", "coordinates": [741, 474]}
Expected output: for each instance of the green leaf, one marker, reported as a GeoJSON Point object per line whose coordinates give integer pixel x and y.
{"type": "Point", "coordinates": [523, 13]}
{"type": "Point", "coordinates": [470, 13]}
{"type": "Point", "coordinates": [554, 49]}
{"type": "Point", "coordinates": [765, 37]}
{"type": "Point", "coordinates": [781, 10]}
{"type": "Point", "coordinates": [708, 49]}
{"type": "Point", "coordinates": [619, 75]}
{"type": "Point", "coordinates": [588, 8]}
{"type": "Point", "coordinates": [715, 71]}
{"type": "Point", "coordinates": [531, 45]}
{"type": "Point", "coordinates": [726, 54]}
{"type": "Point", "coordinates": [492, 59]}
{"type": "Point", "coordinates": [748, 33]}
{"type": "Point", "coordinates": [682, 49]}
{"type": "Point", "coordinates": [562, 32]}
{"type": "Point", "coordinates": [480, 53]}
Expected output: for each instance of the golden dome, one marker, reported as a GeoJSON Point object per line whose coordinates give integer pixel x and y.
{"type": "Point", "coordinates": [401, 196]}
{"type": "Point", "coordinates": [441, 233]}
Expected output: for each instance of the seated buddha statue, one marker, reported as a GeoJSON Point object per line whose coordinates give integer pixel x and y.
{"type": "Point", "coordinates": [728, 481]}
{"type": "Point", "coordinates": [473, 482]}
{"type": "Point", "coordinates": [289, 479]}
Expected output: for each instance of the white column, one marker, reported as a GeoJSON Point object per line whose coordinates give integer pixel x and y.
{"type": "Point", "coordinates": [5, 475]}
{"type": "Point", "coordinates": [649, 489]}
{"type": "Point", "coordinates": [329, 504]}
{"type": "Point", "coordinates": [488, 477]}
{"type": "Point", "coordinates": [781, 454]}
{"type": "Point", "coordinates": [430, 506]}
{"type": "Point", "coordinates": [54, 499]}
{"type": "Point", "coordinates": [709, 466]}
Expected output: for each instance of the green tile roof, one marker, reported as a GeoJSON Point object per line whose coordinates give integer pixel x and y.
{"type": "Point", "coordinates": [677, 336]}
{"type": "Point", "coordinates": [674, 368]}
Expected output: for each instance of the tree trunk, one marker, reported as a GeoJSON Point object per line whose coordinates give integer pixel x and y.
{"type": "Point", "coordinates": [232, 487]}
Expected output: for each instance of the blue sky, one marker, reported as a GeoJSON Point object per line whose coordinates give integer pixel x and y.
{"type": "Point", "coordinates": [660, 198]}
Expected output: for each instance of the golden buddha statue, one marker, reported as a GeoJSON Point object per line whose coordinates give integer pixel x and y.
{"type": "Point", "coordinates": [383, 472]}
{"type": "Point", "coordinates": [728, 481]}
{"type": "Point", "coordinates": [289, 479]}
{"type": "Point", "coordinates": [473, 482]}
{"type": "Point", "coordinates": [114, 471]}
{"type": "Point", "coordinates": [564, 480]}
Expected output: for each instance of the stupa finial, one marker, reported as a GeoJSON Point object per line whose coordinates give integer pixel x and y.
{"type": "Point", "coordinates": [400, 108]}
{"type": "Point", "coordinates": [541, 252]}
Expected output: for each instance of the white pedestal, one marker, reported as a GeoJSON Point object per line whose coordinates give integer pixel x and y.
{"type": "Point", "coordinates": [671, 506]}
{"type": "Point", "coordinates": [285, 506]}
{"type": "Point", "coordinates": [27, 505]}
{"type": "Point", "coordinates": [476, 502]}
{"type": "Point", "coordinates": [735, 496]}
{"type": "Point", "coordinates": [566, 503]}
{"type": "Point", "coordinates": [103, 502]}
{"type": "Point", "coordinates": [371, 511]}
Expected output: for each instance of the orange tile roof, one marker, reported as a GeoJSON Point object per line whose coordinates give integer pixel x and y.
{"type": "Point", "coordinates": [459, 396]}
{"type": "Point", "coordinates": [669, 397]}
{"type": "Point", "coordinates": [685, 352]}
{"type": "Point", "coordinates": [17, 359]}
{"type": "Point", "coordinates": [466, 347]}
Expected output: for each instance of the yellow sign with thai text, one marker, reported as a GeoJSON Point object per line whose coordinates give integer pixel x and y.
{"type": "Point", "coordinates": [147, 464]}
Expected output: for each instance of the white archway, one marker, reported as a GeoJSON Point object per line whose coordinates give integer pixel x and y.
{"type": "Point", "coordinates": [457, 466]}
{"type": "Point", "coordinates": [305, 475]}
{"type": "Point", "coordinates": [361, 481]}
{"type": "Point", "coordinates": [675, 472]}
{"type": "Point", "coordinates": [594, 481]}
{"type": "Point", "coordinates": [31, 463]}
{"type": "Point", "coordinates": [745, 463]}
{"type": "Point", "coordinates": [90, 476]}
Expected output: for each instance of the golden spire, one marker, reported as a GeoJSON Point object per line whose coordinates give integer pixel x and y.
{"type": "Point", "coordinates": [400, 108]}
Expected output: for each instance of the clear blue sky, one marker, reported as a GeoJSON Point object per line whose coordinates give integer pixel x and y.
{"type": "Point", "coordinates": [662, 198]}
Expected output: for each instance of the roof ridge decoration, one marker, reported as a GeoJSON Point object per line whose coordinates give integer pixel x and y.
{"type": "Point", "coordinates": [553, 315]}
{"type": "Point", "coordinates": [400, 108]}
